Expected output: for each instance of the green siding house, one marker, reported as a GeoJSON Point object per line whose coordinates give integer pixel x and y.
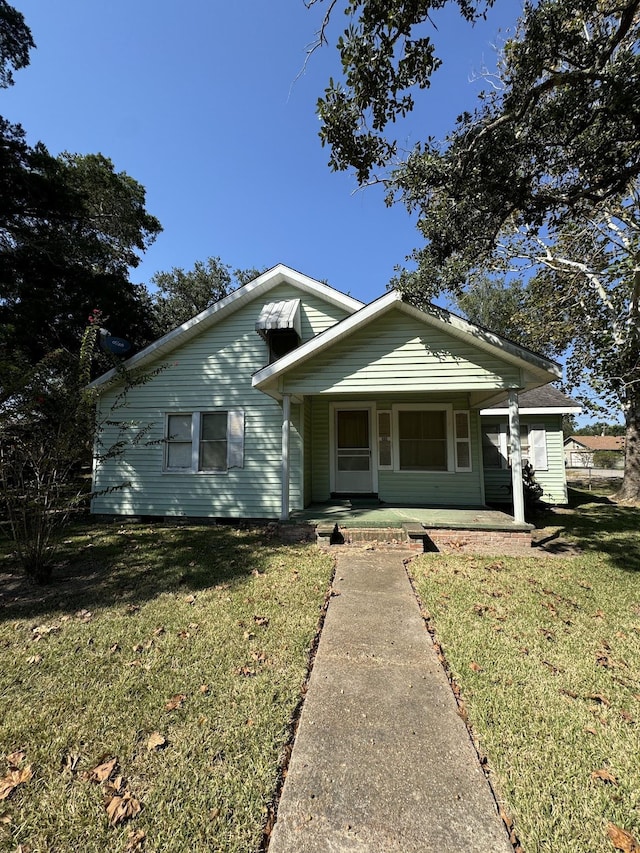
{"type": "Point", "coordinates": [288, 392]}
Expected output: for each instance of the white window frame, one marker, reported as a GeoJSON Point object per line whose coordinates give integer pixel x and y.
{"type": "Point", "coordinates": [379, 437]}
{"type": "Point", "coordinates": [466, 440]}
{"type": "Point", "coordinates": [537, 445]}
{"type": "Point", "coordinates": [447, 408]}
{"type": "Point", "coordinates": [235, 441]}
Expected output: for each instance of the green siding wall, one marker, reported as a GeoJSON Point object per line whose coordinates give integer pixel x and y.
{"type": "Point", "coordinates": [437, 488]}
{"type": "Point", "coordinates": [395, 353]}
{"type": "Point", "coordinates": [553, 480]}
{"type": "Point", "coordinates": [212, 371]}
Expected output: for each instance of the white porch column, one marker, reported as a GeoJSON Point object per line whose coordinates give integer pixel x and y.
{"type": "Point", "coordinates": [516, 457]}
{"type": "Point", "coordinates": [286, 423]}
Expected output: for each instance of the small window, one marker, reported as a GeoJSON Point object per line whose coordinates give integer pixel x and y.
{"type": "Point", "coordinates": [179, 442]}
{"type": "Point", "coordinates": [385, 458]}
{"type": "Point", "coordinates": [206, 442]}
{"type": "Point", "coordinates": [281, 342]}
{"type": "Point", "coordinates": [463, 441]}
{"type": "Point", "coordinates": [213, 442]}
{"type": "Point", "coordinates": [492, 447]}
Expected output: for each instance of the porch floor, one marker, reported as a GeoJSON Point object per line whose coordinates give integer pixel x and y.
{"type": "Point", "coordinates": [370, 514]}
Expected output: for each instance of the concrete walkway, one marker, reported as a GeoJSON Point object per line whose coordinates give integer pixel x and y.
{"type": "Point", "coordinates": [382, 762]}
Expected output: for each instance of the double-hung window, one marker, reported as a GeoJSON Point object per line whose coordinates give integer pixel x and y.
{"type": "Point", "coordinates": [496, 446]}
{"type": "Point", "coordinates": [425, 437]}
{"type": "Point", "coordinates": [204, 442]}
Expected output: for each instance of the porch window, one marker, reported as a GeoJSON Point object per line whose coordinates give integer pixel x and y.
{"type": "Point", "coordinates": [385, 458]}
{"type": "Point", "coordinates": [204, 442]}
{"type": "Point", "coordinates": [463, 441]}
{"type": "Point", "coordinates": [496, 447]}
{"type": "Point", "coordinates": [424, 440]}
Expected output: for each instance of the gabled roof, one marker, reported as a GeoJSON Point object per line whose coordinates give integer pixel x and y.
{"type": "Point", "coordinates": [598, 442]}
{"type": "Point", "coordinates": [541, 369]}
{"type": "Point", "coordinates": [537, 401]}
{"type": "Point", "coordinates": [277, 275]}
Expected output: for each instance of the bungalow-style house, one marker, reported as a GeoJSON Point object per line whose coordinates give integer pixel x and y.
{"type": "Point", "coordinates": [579, 450]}
{"type": "Point", "coordinates": [288, 392]}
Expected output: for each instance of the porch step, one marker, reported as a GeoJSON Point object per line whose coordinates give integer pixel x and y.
{"type": "Point", "coordinates": [388, 536]}
{"type": "Point", "coordinates": [417, 537]}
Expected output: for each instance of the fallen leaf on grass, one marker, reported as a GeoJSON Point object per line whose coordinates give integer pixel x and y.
{"type": "Point", "coordinates": [15, 777]}
{"type": "Point", "coordinates": [175, 702]}
{"type": "Point", "coordinates": [475, 666]}
{"type": "Point", "coordinates": [43, 631]}
{"type": "Point", "coordinates": [15, 759]}
{"type": "Point", "coordinates": [121, 808]}
{"type": "Point", "coordinates": [604, 776]}
{"type": "Point", "coordinates": [35, 659]}
{"type": "Point", "coordinates": [102, 772]}
{"type": "Point", "coordinates": [263, 621]}
{"type": "Point", "coordinates": [156, 741]}
{"type": "Point", "coordinates": [135, 840]}
{"type": "Point", "coordinates": [5, 819]}
{"type": "Point", "coordinates": [190, 599]}
{"type": "Point", "coordinates": [622, 840]}
{"type": "Point", "coordinates": [84, 615]}
{"type": "Point", "coordinates": [599, 697]}
{"type": "Point", "coordinates": [204, 689]}
{"type": "Point", "coordinates": [246, 671]}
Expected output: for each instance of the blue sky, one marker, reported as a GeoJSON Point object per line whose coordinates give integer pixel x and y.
{"type": "Point", "coordinates": [203, 104]}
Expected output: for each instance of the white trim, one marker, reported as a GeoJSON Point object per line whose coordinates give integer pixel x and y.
{"type": "Point", "coordinates": [233, 442]}
{"type": "Point", "coordinates": [285, 461]}
{"type": "Point", "coordinates": [466, 469]}
{"type": "Point", "coordinates": [389, 412]}
{"type": "Point", "coordinates": [550, 410]}
{"type": "Point", "coordinates": [370, 406]}
{"type": "Point", "coordinates": [279, 274]}
{"type": "Point", "coordinates": [539, 367]}
{"type": "Point", "coordinates": [516, 458]}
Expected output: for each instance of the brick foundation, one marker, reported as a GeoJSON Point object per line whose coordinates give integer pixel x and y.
{"type": "Point", "coordinates": [416, 538]}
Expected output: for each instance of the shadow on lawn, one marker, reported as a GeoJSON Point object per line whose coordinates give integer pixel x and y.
{"type": "Point", "coordinates": [599, 524]}
{"type": "Point", "coordinates": [103, 566]}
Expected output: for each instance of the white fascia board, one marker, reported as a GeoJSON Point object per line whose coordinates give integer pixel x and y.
{"type": "Point", "coordinates": [325, 339]}
{"type": "Point", "coordinates": [548, 410]}
{"type": "Point", "coordinates": [484, 339]}
{"type": "Point", "coordinates": [271, 278]}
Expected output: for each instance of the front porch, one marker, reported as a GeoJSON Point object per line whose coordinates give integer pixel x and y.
{"type": "Point", "coordinates": [479, 530]}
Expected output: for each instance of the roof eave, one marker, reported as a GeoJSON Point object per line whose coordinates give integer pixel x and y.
{"type": "Point", "coordinates": [279, 274]}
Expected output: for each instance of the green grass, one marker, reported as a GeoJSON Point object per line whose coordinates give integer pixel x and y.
{"type": "Point", "coordinates": [546, 654]}
{"type": "Point", "coordinates": [139, 615]}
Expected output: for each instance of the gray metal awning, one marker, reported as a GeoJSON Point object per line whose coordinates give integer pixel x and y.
{"type": "Point", "coordinates": [280, 316]}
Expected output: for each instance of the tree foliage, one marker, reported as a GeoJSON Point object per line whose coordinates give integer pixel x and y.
{"type": "Point", "coordinates": [181, 295]}
{"type": "Point", "coordinates": [71, 227]}
{"type": "Point", "coordinates": [386, 53]}
{"type": "Point", "coordinates": [540, 180]}
{"type": "Point", "coordinates": [16, 43]}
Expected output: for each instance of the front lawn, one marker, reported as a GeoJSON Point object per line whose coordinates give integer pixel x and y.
{"type": "Point", "coordinates": [545, 652]}
{"type": "Point", "coordinates": [181, 653]}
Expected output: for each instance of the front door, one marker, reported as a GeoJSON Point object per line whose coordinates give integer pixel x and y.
{"type": "Point", "coordinates": [353, 452]}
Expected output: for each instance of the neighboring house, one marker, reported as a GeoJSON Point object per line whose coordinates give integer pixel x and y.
{"type": "Point", "coordinates": [541, 414]}
{"type": "Point", "coordinates": [579, 449]}
{"type": "Point", "coordinates": [288, 392]}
